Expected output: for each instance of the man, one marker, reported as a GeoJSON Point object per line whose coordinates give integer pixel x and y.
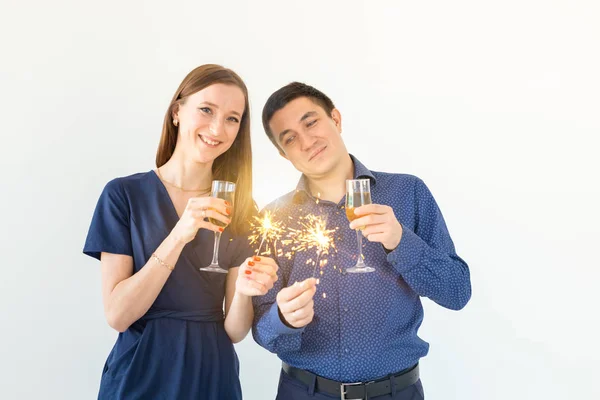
{"type": "Point", "coordinates": [357, 338]}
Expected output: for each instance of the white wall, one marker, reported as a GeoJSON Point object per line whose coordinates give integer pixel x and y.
{"type": "Point", "coordinates": [494, 104]}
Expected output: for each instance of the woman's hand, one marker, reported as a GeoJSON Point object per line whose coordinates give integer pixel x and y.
{"type": "Point", "coordinates": [256, 276]}
{"type": "Point", "coordinates": [195, 215]}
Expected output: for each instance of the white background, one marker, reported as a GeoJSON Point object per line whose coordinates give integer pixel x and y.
{"type": "Point", "coordinates": [494, 104]}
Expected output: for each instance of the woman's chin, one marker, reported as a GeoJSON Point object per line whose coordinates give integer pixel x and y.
{"type": "Point", "coordinates": [206, 157]}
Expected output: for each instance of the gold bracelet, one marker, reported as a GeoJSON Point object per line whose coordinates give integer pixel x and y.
{"type": "Point", "coordinates": [161, 262]}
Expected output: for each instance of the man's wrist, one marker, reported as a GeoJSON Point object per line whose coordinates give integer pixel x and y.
{"type": "Point", "coordinates": [283, 320]}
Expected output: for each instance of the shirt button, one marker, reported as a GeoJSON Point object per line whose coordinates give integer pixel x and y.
{"type": "Point", "coordinates": [346, 350]}
{"type": "Point", "coordinates": [346, 309]}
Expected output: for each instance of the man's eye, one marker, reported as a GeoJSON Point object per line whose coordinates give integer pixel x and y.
{"type": "Point", "coordinates": [311, 123]}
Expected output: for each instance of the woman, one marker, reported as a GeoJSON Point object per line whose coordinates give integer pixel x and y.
{"type": "Point", "coordinates": [151, 233]}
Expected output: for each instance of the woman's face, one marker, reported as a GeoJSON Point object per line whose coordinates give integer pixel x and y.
{"type": "Point", "coordinates": [209, 121]}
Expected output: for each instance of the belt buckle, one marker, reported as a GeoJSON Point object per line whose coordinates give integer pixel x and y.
{"type": "Point", "coordinates": [343, 390]}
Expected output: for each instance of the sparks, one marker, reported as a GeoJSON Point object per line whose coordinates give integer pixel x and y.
{"type": "Point", "coordinates": [269, 231]}
{"type": "Point", "coordinates": [313, 233]}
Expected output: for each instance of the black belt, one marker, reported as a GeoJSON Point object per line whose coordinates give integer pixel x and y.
{"type": "Point", "coordinates": [355, 391]}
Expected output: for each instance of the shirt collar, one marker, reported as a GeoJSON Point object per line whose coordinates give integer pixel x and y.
{"type": "Point", "coordinates": [360, 172]}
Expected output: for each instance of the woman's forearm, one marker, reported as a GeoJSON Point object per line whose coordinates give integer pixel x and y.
{"type": "Point", "coordinates": [238, 320]}
{"type": "Point", "coordinates": [131, 298]}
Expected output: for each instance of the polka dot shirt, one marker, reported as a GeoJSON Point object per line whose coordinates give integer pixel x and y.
{"type": "Point", "coordinates": [365, 325]}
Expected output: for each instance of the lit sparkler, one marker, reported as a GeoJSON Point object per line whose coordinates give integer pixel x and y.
{"type": "Point", "coordinates": [313, 233]}
{"type": "Point", "coordinates": [268, 231]}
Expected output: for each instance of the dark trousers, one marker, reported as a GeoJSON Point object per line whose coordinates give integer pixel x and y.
{"type": "Point", "coordinates": [292, 389]}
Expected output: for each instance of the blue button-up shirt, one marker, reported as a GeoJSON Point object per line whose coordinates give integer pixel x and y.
{"type": "Point", "coordinates": [365, 325]}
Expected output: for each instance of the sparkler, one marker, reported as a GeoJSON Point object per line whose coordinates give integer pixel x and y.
{"type": "Point", "coordinates": [313, 233]}
{"type": "Point", "coordinates": [310, 232]}
{"type": "Point", "coordinates": [267, 230]}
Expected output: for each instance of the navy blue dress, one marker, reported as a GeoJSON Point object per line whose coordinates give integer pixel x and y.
{"type": "Point", "coordinates": [179, 349]}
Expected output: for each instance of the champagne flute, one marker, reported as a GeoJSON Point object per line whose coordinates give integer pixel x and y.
{"type": "Point", "coordinates": [226, 191]}
{"type": "Point", "coordinates": [358, 193]}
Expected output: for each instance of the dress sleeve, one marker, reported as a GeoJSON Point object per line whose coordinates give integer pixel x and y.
{"type": "Point", "coordinates": [110, 228]}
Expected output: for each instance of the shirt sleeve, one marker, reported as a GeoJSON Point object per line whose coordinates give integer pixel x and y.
{"type": "Point", "coordinates": [109, 230]}
{"type": "Point", "coordinates": [426, 258]}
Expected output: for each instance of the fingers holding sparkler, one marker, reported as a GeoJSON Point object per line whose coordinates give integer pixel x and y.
{"type": "Point", "coordinates": [296, 303]}
{"type": "Point", "coordinates": [264, 265]}
{"type": "Point", "coordinates": [256, 276]}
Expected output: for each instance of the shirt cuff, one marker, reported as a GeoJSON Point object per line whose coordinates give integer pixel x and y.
{"type": "Point", "coordinates": [407, 255]}
{"type": "Point", "coordinates": [278, 326]}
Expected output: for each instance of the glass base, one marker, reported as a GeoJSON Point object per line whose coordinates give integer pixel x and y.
{"type": "Point", "coordinates": [357, 270]}
{"type": "Point", "coordinates": [214, 268]}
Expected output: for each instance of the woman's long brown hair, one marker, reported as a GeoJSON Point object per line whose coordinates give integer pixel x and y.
{"type": "Point", "coordinates": [235, 165]}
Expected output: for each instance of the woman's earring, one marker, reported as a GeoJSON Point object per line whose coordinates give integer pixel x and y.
{"type": "Point", "coordinates": [175, 122]}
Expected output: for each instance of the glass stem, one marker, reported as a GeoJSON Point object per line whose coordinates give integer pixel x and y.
{"type": "Point", "coordinates": [360, 261]}
{"type": "Point", "coordinates": [215, 260]}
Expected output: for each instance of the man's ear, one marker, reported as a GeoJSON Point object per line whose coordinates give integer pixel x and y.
{"type": "Point", "coordinates": [337, 119]}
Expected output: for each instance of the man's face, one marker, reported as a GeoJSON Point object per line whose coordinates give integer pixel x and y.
{"type": "Point", "coordinates": [308, 137]}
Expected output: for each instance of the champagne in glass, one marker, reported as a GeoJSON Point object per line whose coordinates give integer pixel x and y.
{"type": "Point", "coordinates": [358, 193]}
{"type": "Point", "coordinates": [226, 191]}
{"type": "Point", "coordinates": [227, 196]}
{"type": "Point", "coordinates": [357, 200]}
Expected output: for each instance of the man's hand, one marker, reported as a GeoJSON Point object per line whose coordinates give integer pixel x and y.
{"type": "Point", "coordinates": [296, 303]}
{"type": "Point", "coordinates": [378, 224]}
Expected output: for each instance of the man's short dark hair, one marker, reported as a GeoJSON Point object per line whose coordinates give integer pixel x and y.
{"type": "Point", "coordinates": [288, 93]}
